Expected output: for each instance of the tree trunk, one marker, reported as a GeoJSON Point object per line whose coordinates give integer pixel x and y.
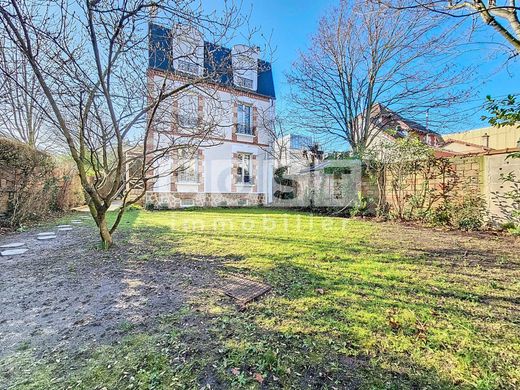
{"type": "Point", "coordinates": [104, 232]}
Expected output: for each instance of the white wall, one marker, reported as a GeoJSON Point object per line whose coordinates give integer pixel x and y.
{"type": "Point", "coordinates": [218, 109]}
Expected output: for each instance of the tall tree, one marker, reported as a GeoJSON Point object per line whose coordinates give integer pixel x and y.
{"type": "Point", "coordinates": [503, 16]}
{"type": "Point", "coordinates": [90, 59]}
{"type": "Point", "coordinates": [365, 53]}
{"type": "Point", "coordinates": [22, 102]}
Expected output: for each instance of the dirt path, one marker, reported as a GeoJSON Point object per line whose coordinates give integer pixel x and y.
{"type": "Point", "coordinates": [64, 294]}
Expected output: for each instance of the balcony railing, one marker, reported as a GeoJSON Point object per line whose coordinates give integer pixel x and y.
{"type": "Point", "coordinates": [188, 67]}
{"type": "Point", "coordinates": [188, 120]}
{"type": "Point", "coordinates": [243, 82]}
{"type": "Point", "coordinates": [245, 129]}
{"type": "Point", "coordinates": [248, 180]}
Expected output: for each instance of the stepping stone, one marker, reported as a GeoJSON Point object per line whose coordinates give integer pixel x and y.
{"type": "Point", "coordinates": [13, 245]}
{"type": "Point", "coordinates": [13, 252]}
{"type": "Point", "coordinates": [64, 229]}
{"type": "Point", "coordinates": [63, 226]}
{"type": "Point", "coordinates": [76, 221]}
{"type": "Point", "coordinates": [46, 234]}
{"type": "Point", "coordinates": [43, 238]}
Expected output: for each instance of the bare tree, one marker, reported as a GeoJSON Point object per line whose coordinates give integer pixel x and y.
{"type": "Point", "coordinates": [363, 54]}
{"type": "Point", "coordinates": [90, 59]}
{"type": "Point", "coordinates": [22, 102]}
{"type": "Point", "coordinates": [503, 16]}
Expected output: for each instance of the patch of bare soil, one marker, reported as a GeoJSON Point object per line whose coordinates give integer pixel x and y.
{"type": "Point", "coordinates": [65, 294]}
{"type": "Point", "coordinates": [488, 250]}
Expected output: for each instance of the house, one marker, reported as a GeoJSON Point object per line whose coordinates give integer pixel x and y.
{"type": "Point", "coordinates": [490, 137]}
{"type": "Point", "coordinates": [234, 91]}
{"type": "Point", "coordinates": [296, 152]}
{"type": "Point", "coordinates": [388, 126]}
{"type": "Point", "coordinates": [462, 147]}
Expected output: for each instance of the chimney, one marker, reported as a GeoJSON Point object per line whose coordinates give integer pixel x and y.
{"type": "Point", "coordinates": [153, 12]}
{"type": "Point", "coordinates": [485, 140]}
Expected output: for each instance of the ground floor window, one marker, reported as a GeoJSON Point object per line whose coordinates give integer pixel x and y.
{"type": "Point", "coordinates": [188, 166]}
{"type": "Point", "coordinates": [244, 169]}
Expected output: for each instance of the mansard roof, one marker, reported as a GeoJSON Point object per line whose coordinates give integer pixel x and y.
{"type": "Point", "coordinates": [217, 61]}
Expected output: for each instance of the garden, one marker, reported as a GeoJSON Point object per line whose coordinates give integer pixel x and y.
{"type": "Point", "coordinates": [354, 303]}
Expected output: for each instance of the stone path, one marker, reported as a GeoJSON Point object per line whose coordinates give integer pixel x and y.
{"type": "Point", "coordinates": [19, 248]}
{"type": "Point", "coordinates": [13, 245]}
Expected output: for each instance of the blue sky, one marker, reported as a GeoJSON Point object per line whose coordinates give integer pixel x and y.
{"type": "Point", "coordinates": [289, 23]}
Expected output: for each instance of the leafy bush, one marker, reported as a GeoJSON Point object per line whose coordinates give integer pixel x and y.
{"type": "Point", "coordinates": [439, 216]}
{"type": "Point", "coordinates": [34, 184]}
{"type": "Point", "coordinates": [163, 206]}
{"type": "Point", "coordinates": [470, 214]}
{"type": "Point", "coordinates": [467, 214]}
{"type": "Point", "coordinates": [150, 206]}
{"type": "Point", "coordinates": [360, 208]}
{"type": "Point", "coordinates": [28, 180]}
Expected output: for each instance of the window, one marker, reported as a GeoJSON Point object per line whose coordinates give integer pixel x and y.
{"type": "Point", "coordinates": [188, 111]}
{"type": "Point", "coordinates": [188, 67]}
{"type": "Point", "coordinates": [244, 119]}
{"type": "Point", "coordinates": [244, 169]}
{"type": "Point", "coordinates": [243, 82]}
{"type": "Point", "coordinates": [188, 166]}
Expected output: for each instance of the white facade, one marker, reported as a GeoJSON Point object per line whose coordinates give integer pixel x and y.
{"type": "Point", "coordinates": [215, 168]}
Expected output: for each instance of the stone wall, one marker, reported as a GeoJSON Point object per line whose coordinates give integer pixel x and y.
{"type": "Point", "coordinates": [453, 179]}
{"type": "Point", "coordinates": [175, 200]}
{"type": "Point", "coordinates": [469, 176]}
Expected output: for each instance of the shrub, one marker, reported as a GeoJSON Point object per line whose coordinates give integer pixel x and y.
{"type": "Point", "coordinates": [150, 206]}
{"type": "Point", "coordinates": [439, 216]}
{"type": "Point", "coordinates": [163, 206]}
{"type": "Point", "coordinates": [34, 184]}
{"type": "Point", "coordinates": [29, 182]}
{"type": "Point", "coordinates": [360, 208]}
{"type": "Point", "coordinates": [470, 214]}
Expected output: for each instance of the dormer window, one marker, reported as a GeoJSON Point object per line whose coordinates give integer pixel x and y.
{"type": "Point", "coordinates": [187, 49]}
{"type": "Point", "coordinates": [244, 60]}
{"type": "Point", "coordinates": [243, 82]}
{"type": "Point", "coordinates": [188, 67]}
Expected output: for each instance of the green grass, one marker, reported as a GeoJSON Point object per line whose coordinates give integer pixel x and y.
{"type": "Point", "coordinates": [354, 303]}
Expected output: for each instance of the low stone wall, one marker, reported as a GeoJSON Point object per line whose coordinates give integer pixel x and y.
{"type": "Point", "coordinates": [176, 200]}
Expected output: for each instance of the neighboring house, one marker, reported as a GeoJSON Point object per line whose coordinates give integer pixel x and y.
{"type": "Point", "coordinates": [330, 183]}
{"type": "Point", "coordinates": [461, 147]}
{"type": "Point", "coordinates": [231, 168]}
{"type": "Point", "coordinates": [296, 152]}
{"type": "Point", "coordinates": [490, 137]}
{"type": "Point", "coordinates": [389, 126]}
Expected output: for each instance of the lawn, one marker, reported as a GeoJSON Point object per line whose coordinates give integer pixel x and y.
{"type": "Point", "coordinates": [354, 304]}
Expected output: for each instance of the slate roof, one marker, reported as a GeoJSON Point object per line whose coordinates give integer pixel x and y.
{"type": "Point", "coordinates": [217, 61]}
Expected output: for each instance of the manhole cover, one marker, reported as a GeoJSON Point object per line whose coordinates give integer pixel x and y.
{"type": "Point", "coordinates": [244, 290]}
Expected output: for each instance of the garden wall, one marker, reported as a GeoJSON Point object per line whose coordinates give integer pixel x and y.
{"type": "Point", "coordinates": [465, 176]}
